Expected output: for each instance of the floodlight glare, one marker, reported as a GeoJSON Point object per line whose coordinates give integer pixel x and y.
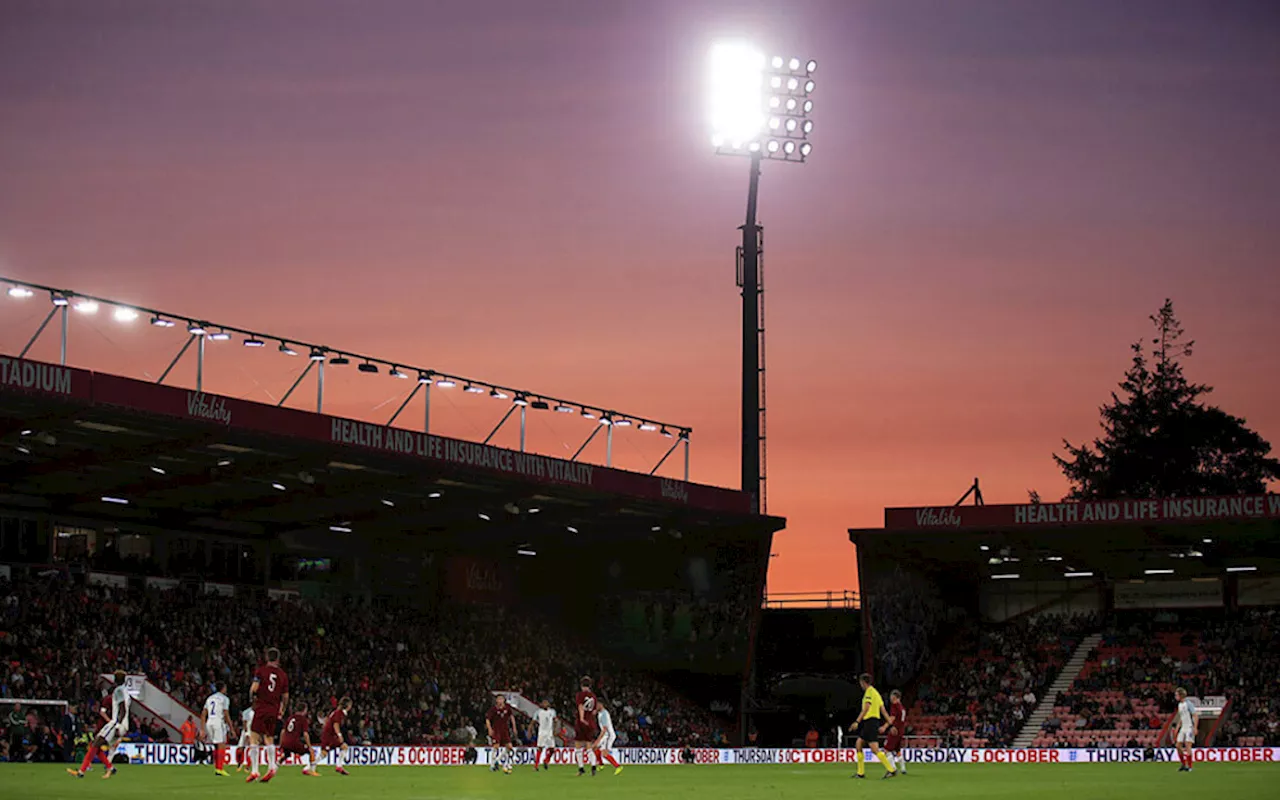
{"type": "Point", "coordinates": [20, 291]}
{"type": "Point", "coordinates": [774, 123]}
{"type": "Point", "coordinates": [794, 63]}
{"type": "Point", "coordinates": [793, 84]}
{"type": "Point", "coordinates": [87, 307]}
{"type": "Point", "coordinates": [775, 102]}
{"type": "Point", "coordinates": [774, 145]}
{"type": "Point", "coordinates": [161, 322]}
{"type": "Point", "coordinates": [777, 62]}
{"type": "Point", "coordinates": [753, 147]}
{"type": "Point", "coordinates": [125, 314]}
{"type": "Point", "coordinates": [776, 82]}
{"type": "Point", "coordinates": [792, 103]}
{"type": "Point", "coordinates": [736, 89]}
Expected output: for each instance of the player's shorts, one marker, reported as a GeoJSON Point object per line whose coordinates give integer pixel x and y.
{"type": "Point", "coordinates": [330, 742]}
{"type": "Point", "coordinates": [546, 740]}
{"type": "Point", "coordinates": [265, 722]}
{"type": "Point", "coordinates": [1186, 735]}
{"type": "Point", "coordinates": [893, 743]}
{"type": "Point", "coordinates": [114, 731]}
{"type": "Point", "coordinates": [607, 742]}
{"type": "Point", "coordinates": [216, 732]}
{"type": "Point", "coordinates": [244, 738]}
{"type": "Point", "coordinates": [869, 730]}
{"type": "Point", "coordinates": [584, 733]}
{"type": "Point", "coordinates": [502, 741]}
{"type": "Point", "coordinates": [293, 746]}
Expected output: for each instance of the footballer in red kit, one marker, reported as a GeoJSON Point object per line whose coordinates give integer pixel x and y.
{"type": "Point", "coordinates": [584, 725]}
{"type": "Point", "coordinates": [270, 694]}
{"type": "Point", "coordinates": [333, 739]}
{"type": "Point", "coordinates": [894, 729]}
{"type": "Point", "coordinates": [296, 738]}
{"type": "Point", "coordinates": [500, 724]}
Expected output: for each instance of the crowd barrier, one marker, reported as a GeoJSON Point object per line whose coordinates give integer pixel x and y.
{"type": "Point", "coordinates": [414, 756]}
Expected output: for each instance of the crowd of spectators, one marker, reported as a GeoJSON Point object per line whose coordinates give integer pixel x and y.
{"type": "Point", "coordinates": [415, 676]}
{"type": "Point", "coordinates": [906, 616]}
{"type": "Point", "coordinates": [990, 678]}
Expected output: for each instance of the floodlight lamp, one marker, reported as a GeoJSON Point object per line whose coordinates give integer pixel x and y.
{"type": "Point", "coordinates": [736, 98]}
{"type": "Point", "coordinates": [252, 342]}
{"type": "Point", "coordinates": [606, 420]}
{"type": "Point", "coordinates": [195, 329]}
{"type": "Point", "coordinates": [287, 350]}
{"type": "Point", "coordinates": [754, 147]}
{"type": "Point", "coordinates": [220, 336]}
{"type": "Point", "coordinates": [317, 355]}
{"type": "Point", "coordinates": [808, 126]}
{"type": "Point", "coordinates": [588, 414]}
{"type": "Point", "coordinates": [648, 426]}
{"type": "Point", "coordinates": [793, 64]}
{"type": "Point", "coordinates": [809, 86]}
{"type": "Point", "coordinates": [774, 123]}
{"type": "Point", "coordinates": [520, 400]}
{"type": "Point", "coordinates": [806, 149]}
{"type": "Point", "coordinates": [20, 292]}
{"type": "Point", "coordinates": [793, 84]}
{"type": "Point", "coordinates": [775, 102]}
{"type": "Point", "coordinates": [368, 367]}
{"type": "Point", "coordinates": [792, 103]}
{"type": "Point", "coordinates": [539, 405]}
{"type": "Point", "coordinates": [563, 409]}
{"type": "Point", "coordinates": [161, 322]}
{"type": "Point", "coordinates": [808, 106]}
{"type": "Point", "coordinates": [774, 144]}
{"type": "Point", "coordinates": [789, 148]}
{"type": "Point", "coordinates": [777, 62]}
{"type": "Point", "coordinates": [684, 435]}
{"type": "Point", "coordinates": [446, 383]}
{"type": "Point", "coordinates": [666, 434]}
{"type": "Point", "coordinates": [811, 67]}
{"type": "Point", "coordinates": [623, 422]}
{"type": "Point", "coordinates": [396, 373]}
{"type": "Point", "coordinates": [58, 299]}
{"type": "Point", "coordinates": [498, 394]}
{"type": "Point", "coordinates": [791, 124]}
{"type": "Point", "coordinates": [87, 306]}
{"type": "Point", "coordinates": [469, 389]}
{"type": "Point", "coordinates": [124, 314]}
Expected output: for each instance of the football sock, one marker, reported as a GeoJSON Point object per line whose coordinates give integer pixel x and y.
{"type": "Point", "coordinates": [255, 758]}
{"type": "Point", "coordinates": [271, 757]}
{"type": "Point", "coordinates": [884, 759]}
{"type": "Point", "coordinates": [861, 759]}
{"type": "Point", "coordinates": [607, 756]}
{"type": "Point", "coordinates": [902, 763]}
{"type": "Point", "coordinates": [106, 758]}
{"type": "Point", "coordinates": [88, 757]}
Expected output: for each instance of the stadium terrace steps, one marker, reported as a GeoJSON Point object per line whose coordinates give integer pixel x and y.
{"type": "Point", "coordinates": [1044, 709]}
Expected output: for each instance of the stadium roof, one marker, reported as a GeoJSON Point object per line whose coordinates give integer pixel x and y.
{"type": "Point", "coordinates": [1120, 539]}
{"type": "Point", "coordinates": [108, 448]}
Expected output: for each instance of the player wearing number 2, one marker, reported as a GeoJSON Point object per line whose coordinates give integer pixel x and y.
{"type": "Point", "coordinates": [217, 726]}
{"type": "Point", "coordinates": [270, 694]}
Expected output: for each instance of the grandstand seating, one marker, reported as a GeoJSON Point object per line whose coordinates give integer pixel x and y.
{"type": "Point", "coordinates": [415, 677]}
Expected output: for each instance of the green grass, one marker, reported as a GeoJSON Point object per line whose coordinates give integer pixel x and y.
{"type": "Point", "coordinates": [987, 782]}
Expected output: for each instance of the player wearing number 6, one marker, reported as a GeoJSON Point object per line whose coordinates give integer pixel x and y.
{"type": "Point", "coordinates": [269, 694]}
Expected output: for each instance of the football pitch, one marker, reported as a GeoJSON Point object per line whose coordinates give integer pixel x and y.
{"type": "Point", "coordinates": [765, 782]}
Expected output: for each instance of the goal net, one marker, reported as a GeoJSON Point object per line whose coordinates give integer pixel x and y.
{"type": "Point", "coordinates": [32, 730]}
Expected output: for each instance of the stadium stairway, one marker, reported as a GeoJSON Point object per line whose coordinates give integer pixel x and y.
{"type": "Point", "coordinates": [1044, 709]}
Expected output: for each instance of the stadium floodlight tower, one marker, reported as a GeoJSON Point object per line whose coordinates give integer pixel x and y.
{"type": "Point", "coordinates": [759, 109]}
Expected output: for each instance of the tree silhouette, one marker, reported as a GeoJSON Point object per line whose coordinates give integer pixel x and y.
{"type": "Point", "coordinates": [1160, 440]}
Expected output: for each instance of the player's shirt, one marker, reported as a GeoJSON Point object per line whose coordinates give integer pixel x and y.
{"type": "Point", "coordinates": [216, 707]}
{"type": "Point", "coordinates": [898, 717]}
{"type": "Point", "coordinates": [500, 721]}
{"type": "Point", "coordinates": [1186, 714]}
{"type": "Point", "coordinates": [872, 701]}
{"type": "Point", "coordinates": [546, 722]}
{"type": "Point", "coordinates": [605, 721]}
{"type": "Point", "coordinates": [586, 700]}
{"type": "Point", "coordinates": [297, 725]}
{"type": "Point", "coordinates": [273, 684]}
{"type": "Point", "coordinates": [336, 717]}
{"type": "Point", "coordinates": [120, 701]}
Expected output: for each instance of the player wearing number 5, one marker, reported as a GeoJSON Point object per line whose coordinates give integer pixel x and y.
{"type": "Point", "coordinates": [269, 693]}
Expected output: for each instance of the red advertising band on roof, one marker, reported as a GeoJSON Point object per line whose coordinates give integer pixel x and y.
{"type": "Point", "coordinates": [113, 390]}
{"type": "Point", "coordinates": [1090, 512]}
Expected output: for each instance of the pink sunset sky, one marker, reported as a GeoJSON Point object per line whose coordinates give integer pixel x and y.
{"type": "Point", "coordinates": [999, 195]}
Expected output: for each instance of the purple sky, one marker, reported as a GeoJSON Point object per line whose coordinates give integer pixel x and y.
{"type": "Point", "coordinates": [999, 193]}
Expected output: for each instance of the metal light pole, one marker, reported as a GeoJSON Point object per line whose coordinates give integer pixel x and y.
{"type": "Point", "coordinates": [759, 110]}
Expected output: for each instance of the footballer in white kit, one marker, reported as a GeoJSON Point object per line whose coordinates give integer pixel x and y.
{"type": "Point", "coordinates": [604, 742]}
{"type": "Point", "coordinates": [1188, 719]}
{"type": "Point", "coordinates": [242, 747]}
{"type": "Point", "coordinates": [546, 721]}
{"type": "Point", "coordinates": [217, 726]}
{"type": "Point", "coordinates": [110, 734]}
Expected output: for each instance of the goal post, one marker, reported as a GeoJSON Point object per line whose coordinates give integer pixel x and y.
{"type": "Point", "coordinates": [41, 741]}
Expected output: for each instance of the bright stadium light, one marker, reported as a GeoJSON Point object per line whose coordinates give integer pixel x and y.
{"type": "Point", "coordinates": [124, 314]}
{"type": "Point", "coordinates": [736, 100]}
{"type": "Point", "coordinates": [87, 306]}
{"type": "Point", "coordinates": [20, 292]}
